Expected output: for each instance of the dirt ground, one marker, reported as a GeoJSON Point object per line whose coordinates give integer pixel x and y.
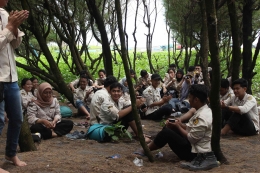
{"type": "Point", "coordinates": [64, 155]}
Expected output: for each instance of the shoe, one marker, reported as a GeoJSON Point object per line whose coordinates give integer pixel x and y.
{"type": "Point", "coordinates": [207, 162]}
{"type": "Point", "coordinates": [196, 161]}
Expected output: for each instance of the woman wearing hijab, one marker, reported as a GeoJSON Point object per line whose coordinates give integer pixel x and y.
{"type": "Point", "coordinates": [44, 114]}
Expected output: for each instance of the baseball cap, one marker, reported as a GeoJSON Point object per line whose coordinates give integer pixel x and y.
{"type": "Point", "coordinates": [156, 77]}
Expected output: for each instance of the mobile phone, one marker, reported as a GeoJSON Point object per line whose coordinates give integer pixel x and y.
{"type": "Point", "coordinates": [172, 120]}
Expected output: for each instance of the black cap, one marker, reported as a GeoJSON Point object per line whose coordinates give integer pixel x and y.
{"type": "Point", "coordinates": [156, 77]}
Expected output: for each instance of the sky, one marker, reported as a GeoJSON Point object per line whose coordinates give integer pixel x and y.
{"type": "Point", "coordinates": [160, 33]}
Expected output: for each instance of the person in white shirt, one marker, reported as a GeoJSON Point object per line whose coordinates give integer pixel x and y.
{"type": "Point", "coordinates": [225, 92]}
{"type": "Point", "coordinates": [10, 39]}
{"type": "Point", "coordinates": [244, 119]}
{"type": "Point", "coordinates": [191, 141]}
{"type": "Point", "coordinates": [83, 95]}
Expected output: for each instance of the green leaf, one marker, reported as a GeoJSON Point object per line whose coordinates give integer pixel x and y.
{"type": "Point", "coordinates": [115, 138]}
{"type": "Point", "coordinates": [128, 134]}
{"type": "Point", "coordinates": [109, 131]}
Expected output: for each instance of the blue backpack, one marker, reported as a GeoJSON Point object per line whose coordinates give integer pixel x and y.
{"type": "Point", "coordinates": [96, 132]}
{"type": "Point", "coordinates": [65, 111]}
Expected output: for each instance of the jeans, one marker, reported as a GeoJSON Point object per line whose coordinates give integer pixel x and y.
{"type": "Point", "coordinates": [80, 103]}
{"type": "Point", "coordinates": [13, 107]}
{"type": "Point", "coordinates": [174, 101]}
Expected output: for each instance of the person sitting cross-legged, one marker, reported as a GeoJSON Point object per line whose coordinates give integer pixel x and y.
{"type": "Point", "coordinates": [83, 95]}
{"type": "Point", "coordinates": [191, 141]}
{"type": "Point", "coordinates": [244, 118]}
{"type": "Point", "coordinates": [157, 107]}
{"type": "Point", "coordinates": [118, 109]}
{"type": "Point", "coordinates": [44, 114]}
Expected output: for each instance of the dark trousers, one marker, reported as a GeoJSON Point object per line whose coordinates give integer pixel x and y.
{"type": "Point", "coordinates": [61, 128]}
{"type": "Point", "coordinates": [126, 120]}
{"type": "Point", "coordinates": [241, 124]}
{"type": "Point", "coordinates": [164, 110]}
{"type": "Point", "coordinates": [225, 116]}
{"type": "Point", "coordinates": [178, 144]}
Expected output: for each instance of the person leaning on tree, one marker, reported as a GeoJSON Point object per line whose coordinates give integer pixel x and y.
{"type": "Point", "coordinates": [190, 141]}
{"type": "Point", "coordinates": [10, 39]}
{"type": "Point", "coordinates": [242, 108]}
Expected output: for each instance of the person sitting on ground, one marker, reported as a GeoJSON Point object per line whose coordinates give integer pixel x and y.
{"type": "Point", "coordinates": [156, 106]}
{"type": "Point", "coordinates": [44, 114]}
{"type": "Point", "coordinates": [225, 93]}
{"type": "Point", "coordinates": [191, 141]}
{"type": "Point", "coordinates": [124, 84]}
{"type": "Point", "coordinates": [75, 84]}
{"type": "Point", "coordinates": [99, 83]}
{"type": "Point", "coordinates": [26, 94]}
{"type": "Point", "coordinates": [99, 97]}
{"type": "Point", "coordinates": [144, 81]}
{"type": "Point", "coordinates": [35, 85]}
{"type": "Point", "coordinates": [198, 76]}
{"type": "Point", "coordinates": [183, 95]}
{"type": "Point", "coordinates": [171, 83]}
{"type": "Point", "coordinates": [171, 66]}
{"type": "Point", "coordinates": [82, 96]}
{"type": "Point", "coordinates": [242, 108]}
{"type": "Point", "coordinates": [117, 109]}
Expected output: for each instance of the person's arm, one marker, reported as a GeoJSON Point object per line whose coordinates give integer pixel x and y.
{"type": "Point", "coordinates": [249, 104]}
{"type": "Point", "coordinates": [187, 115]}
{"type": "Point", "coordinates": [57, 115]}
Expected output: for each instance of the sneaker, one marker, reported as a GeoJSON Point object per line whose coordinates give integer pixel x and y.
{"type": "Point", "coordinates": [196, 161]}
{"type": "Point", "coordinates": [207, 163]}
{"type": "Point", "coordinates": [176, 114]}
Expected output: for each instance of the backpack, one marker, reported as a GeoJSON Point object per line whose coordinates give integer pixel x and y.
{"type": "Point", "coordinates": [97, 132]}
{"type": "Point", "coordinates": [65, 111]}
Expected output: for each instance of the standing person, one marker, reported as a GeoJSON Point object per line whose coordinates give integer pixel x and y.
{"type": "Point", "coordinates": [10, 38]}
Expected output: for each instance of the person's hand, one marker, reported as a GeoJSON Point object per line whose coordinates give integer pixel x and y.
{"type": "Point", "coordinates": [166, 98]}
{"type": "Point", "coordinates": [171, 125]}
{"type": "Point", "coordinates": [222, 104]}
{"type": "Point", "coordinates": [16, 18]}
{"type": "Point", "coordinates": [144, 109]}
{"type": "Point", "coordinates": [48, 124]}
{"type": "Point", "coordinates": [139, 102]}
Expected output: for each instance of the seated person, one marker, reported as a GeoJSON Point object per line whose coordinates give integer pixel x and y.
{"type": "Point", "coordinates": [83, 95]}
{"type": "Point", "coordinates": [191, 141]}
{"type": "Point", "coordinates": [75, 84]}
{"type": "Point", "coordinates": [184, 93]}
{"type": "Point", "coordinates": [99, 83]}
{"type": "Point", "coordinates": [179, 78]}
{"type": "Point", "coordinates": [144, 81]}
{"type": "Point", "coordinates": [170, 83]}
{"type": "Point", "coordinates": [156, 107]}
{"type": "Point", "coordinates": [242, 107]}
{"type": "Point", "coordinates": [198, 76]}
{"type": "Point", "coordinates": [117, 109]}
{"type": "Point", "coordinates": [26, 94]}
{"type": "Point", "coordinates": [225, 93]}
{"type": "Point", "coordinates": [99, 97]}
{"type": "Point", "coordinates": [171, 66]}
{"type": "Point", "coordinates": [44, 114]}
{"type": "Point", "coordinates": [35, 85]}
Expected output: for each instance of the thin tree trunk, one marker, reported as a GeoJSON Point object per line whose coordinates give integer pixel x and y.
{"type": "Point", "coordinates": [247, 43]}
{"type": "Point", "coordinates": [204, 44]}
{"type": "Point", "coordinates": [214, 93]}
{"type": "Point", "coordinates": [94, 11]}
{"type": "Point", "coordinates": [129, 81]}
{"type": "Point", "coordinates": [236, 52]}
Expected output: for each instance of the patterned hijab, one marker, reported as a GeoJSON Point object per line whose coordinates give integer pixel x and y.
{"type": "Point", "coordinates": [39, 101]}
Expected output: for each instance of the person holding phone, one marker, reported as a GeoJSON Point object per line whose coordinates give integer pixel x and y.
{"type": "Point", "coordinates": [190, 141]}
{"type": "Point", "coordinates": [83, 96]}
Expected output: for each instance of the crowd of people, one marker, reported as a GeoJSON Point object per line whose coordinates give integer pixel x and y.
{"type": "Point", "coordinates": [106, 101]}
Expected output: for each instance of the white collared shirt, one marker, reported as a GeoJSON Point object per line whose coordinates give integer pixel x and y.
{"type": "Point", "coordinates": [247, 105]}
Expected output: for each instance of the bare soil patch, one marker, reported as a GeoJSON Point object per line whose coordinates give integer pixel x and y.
{"type": "Point", "coordinates": [64, 155]}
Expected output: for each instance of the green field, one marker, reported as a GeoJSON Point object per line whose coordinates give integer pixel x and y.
{"type": "Point", "coordinates": [159, 59]}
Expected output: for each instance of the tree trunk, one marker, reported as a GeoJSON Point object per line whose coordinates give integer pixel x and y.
{"type": "Point", "coordinates": [214, 93]}
{"type": "Point", "coordinates": [94, 11]}
{"type": "Point", "coordinates": [26, 142]}
{"type": "Point", "coordinates": [204, 44]}
{"type": "Point", "coordinates": [129, 81]}
{"type": "Point", "coordinates": [247, 43]}
{"type": "Point", "coordinates": [236, 52]}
